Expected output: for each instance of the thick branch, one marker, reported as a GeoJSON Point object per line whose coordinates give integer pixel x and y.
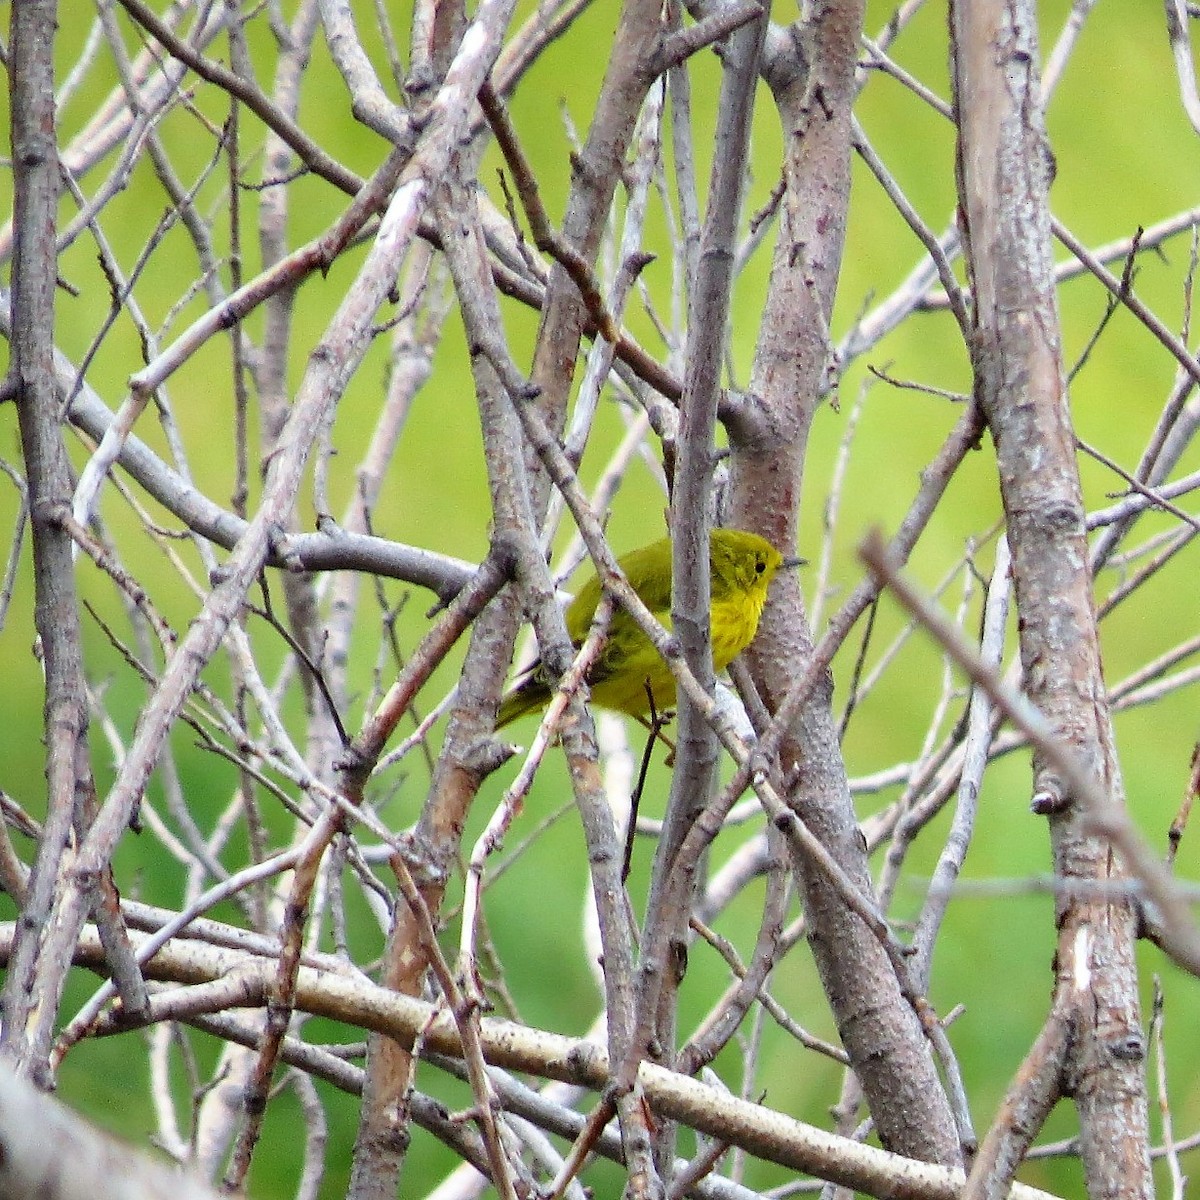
{"type": "Point", "coordinates": [1003, 173]}
{"type": "Point", "coordinates": [349, 998]}
{"type": "Point", "coordinates": [38, 972]}
{"type": "Point", "coordinates": [879, 1029]}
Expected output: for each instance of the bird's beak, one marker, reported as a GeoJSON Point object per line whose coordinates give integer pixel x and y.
{"type": "Point", "coordinates": [794, 560]}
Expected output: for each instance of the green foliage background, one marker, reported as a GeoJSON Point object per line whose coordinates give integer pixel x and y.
{"type": "Point", "coordinates": [1125, 157]}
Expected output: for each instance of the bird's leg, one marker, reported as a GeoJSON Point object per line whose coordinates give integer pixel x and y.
{"type": "Point", "coordinates": [654, 726]}
{"type": "Point", "coordinates": [656, 723]}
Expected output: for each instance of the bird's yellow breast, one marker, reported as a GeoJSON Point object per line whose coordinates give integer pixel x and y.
{"type": "Point", "coordinates": [734, 624]}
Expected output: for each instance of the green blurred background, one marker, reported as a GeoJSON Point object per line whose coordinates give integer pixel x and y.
{"type": "Point", "coordinates": [1125, 155]}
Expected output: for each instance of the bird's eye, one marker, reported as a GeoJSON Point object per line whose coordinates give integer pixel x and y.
{"type": "Point", "coordinates": [759, 566]}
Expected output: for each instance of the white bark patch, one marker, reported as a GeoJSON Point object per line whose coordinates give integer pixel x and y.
{"type": "Point", "coordinates": [1083, 954]}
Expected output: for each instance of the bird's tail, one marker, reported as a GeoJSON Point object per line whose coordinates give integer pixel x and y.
{"type": "Point", "coordinates": [529, 695]}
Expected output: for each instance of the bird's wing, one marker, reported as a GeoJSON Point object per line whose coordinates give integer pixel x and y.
{"type": "Point", "coordinates": [649, 573]}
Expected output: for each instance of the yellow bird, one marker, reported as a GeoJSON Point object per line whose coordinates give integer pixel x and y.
{"type": "Point", "coordinates": [629, 669]}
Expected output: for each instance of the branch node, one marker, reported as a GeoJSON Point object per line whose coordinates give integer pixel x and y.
{"type": "Point", "coordinates": [1131, 1047]}
{"type": "Point", "coordinates": [1050, 798]}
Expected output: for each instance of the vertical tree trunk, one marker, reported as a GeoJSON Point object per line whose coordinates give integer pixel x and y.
{"type": "Point", "coordinates": [1004, 171]}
